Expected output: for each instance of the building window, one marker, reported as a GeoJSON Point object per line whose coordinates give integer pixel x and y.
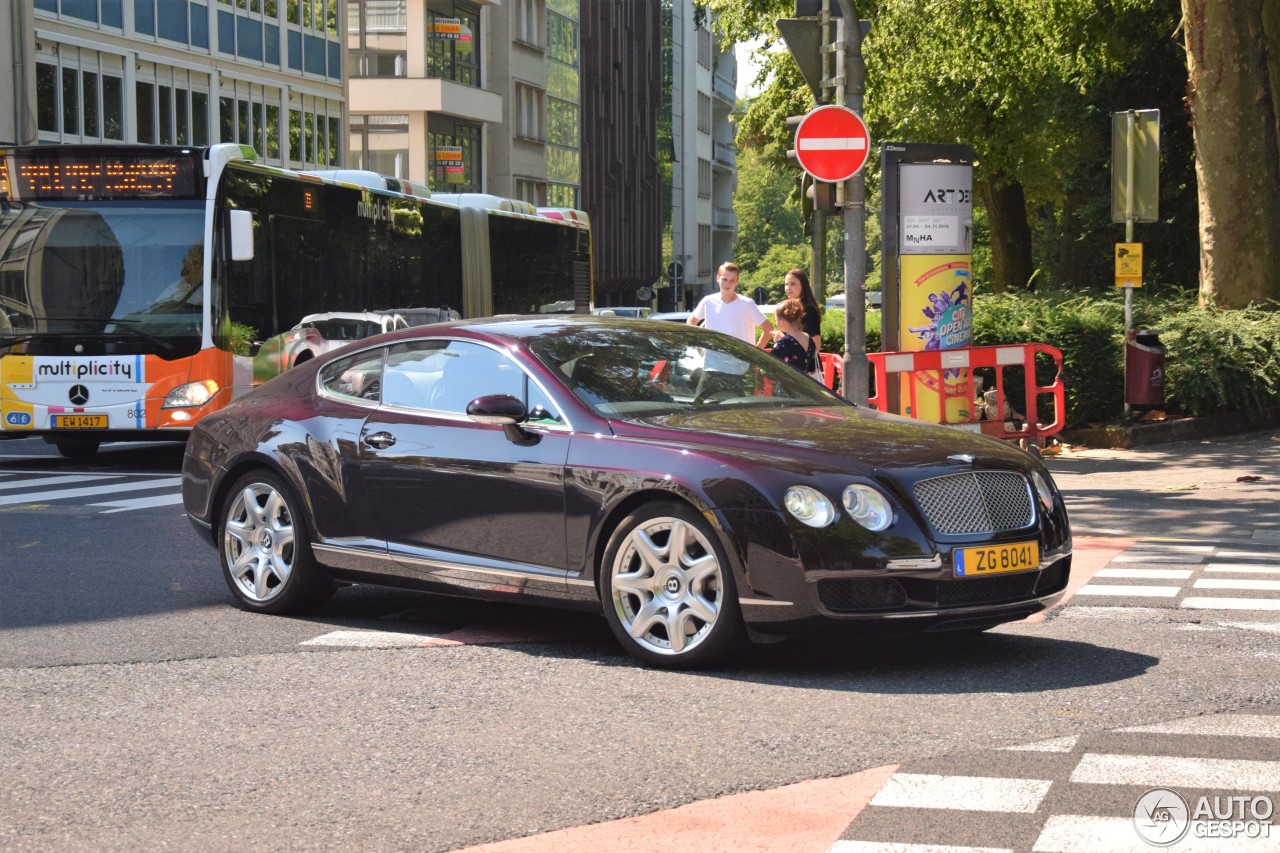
{"type": "Point", "coordinates": [171, 105]}
{"type": "Point", "coordinates": [315, 132]}
{"type": "Point", "coordinates": [530, 109]}
{"type": "Point", "coordinates": [704, 250]}
{"type": "Point", "coordinates": [377, 38]}
{"type": "Point", "coordinates": [109, 13]}
{"type": "Point", "coordinates": [530, 23]}
{"type": "Point", "coordinates": [531, 190]}
{"type": "Point", "coordinates": [453, 156]}
{"type": "Point", "coordinates": [704, 178]}
{"type": "Point", "coordinates": [380, 143]}
{"type": "Point", "coordinates": [453, 42]}
{"type": "Point", "coordinates": [80, 96]}
{"type": "Point", "coordinates": [564, 155]}
{"type": "Point", "coordinates": [704, 47]}
{"type": "Point", "coordinates": [704, 112]}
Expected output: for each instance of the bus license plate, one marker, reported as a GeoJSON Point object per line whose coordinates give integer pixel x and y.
{"type": "Point", "coordinates": [994, 559]}
{"type": "Point", "coordinates": [79, 421]}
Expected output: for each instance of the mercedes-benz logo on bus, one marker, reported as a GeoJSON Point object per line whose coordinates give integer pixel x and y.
{"type": "Point", "coordinates": [78, 395]}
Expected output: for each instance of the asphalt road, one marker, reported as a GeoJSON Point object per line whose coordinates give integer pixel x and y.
{"type": "Point", "coordinates": [139, 710]}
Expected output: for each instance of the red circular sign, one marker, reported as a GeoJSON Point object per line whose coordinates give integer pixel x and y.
{"type": "Point", "coordinates": [832, 143]}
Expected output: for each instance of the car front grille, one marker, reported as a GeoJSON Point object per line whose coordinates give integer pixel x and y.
{"type": "Point", "coordinates": [850, 595]}
{"type": "Point", "coordinates": [976, 502]}
{"type": "Point", "coordinates": [987, 590]}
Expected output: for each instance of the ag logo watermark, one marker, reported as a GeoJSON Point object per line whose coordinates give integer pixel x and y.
{"type": "Point", "coordinates": [1163, 817]}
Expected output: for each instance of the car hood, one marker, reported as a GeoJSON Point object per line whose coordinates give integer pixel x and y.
{"type": "Point", "coordinates": [861, 436]}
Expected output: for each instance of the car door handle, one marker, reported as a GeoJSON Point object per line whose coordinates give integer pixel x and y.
{"type": "Point", "coordinates": [380, 440]}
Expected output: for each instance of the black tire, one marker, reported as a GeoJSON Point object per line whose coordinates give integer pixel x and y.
{"type": "Point", "coordinates": [679, 613]}
{"type": "Point", "coordinates": [78, 449]}
{"type": "Point", "coordinates": [265, 548]}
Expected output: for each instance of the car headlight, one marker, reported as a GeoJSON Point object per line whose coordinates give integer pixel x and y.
{"type": "Point", "coordinates": [191, 394]}
{"type": "Point", "coordinates": [1043, 489]}
{"type": "Point", "coordinates": [868, 507]}
{"type": "Point", "coordinates": [809, 505]}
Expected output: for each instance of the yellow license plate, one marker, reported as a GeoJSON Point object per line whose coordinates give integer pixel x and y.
{"type": "Point", "coordinates": [79, 421]}
{"type": "Point", "coordinates": [995, 559]}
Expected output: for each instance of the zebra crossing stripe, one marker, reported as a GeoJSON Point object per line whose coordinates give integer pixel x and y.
{"type": "Point", "coordinates": [140, 503]}
{"type": "Point", "coordinates": [1250, 555]}
{"type": "Point", "coordinates": [1205, 603]}
{"type": "Point", "coordinates": [1243, 568]}
{"type": "Point", "coordinates": [1237, 583]}
{"type": "Point", "coordinates": [1131, 557]}
{"type": "Point", "coordinates": [1167, 771]}
{"type": "Point", "coordinates": [1221, 725]}
{"type": "Point", "coordinates": [1129, 590]}
{"type": "Point", "coordinates": [1057, 744]}
{"type": "Point", "coordinates": [42, 482]}
{"type": "Point", "coordinates": [1085, 834]}
{"type": "Point", "coordinates": [62, 494]}
{"type": "Point", "coordinates": [1146, 574]}
{"type": "Point", "coordinates": [963, 793]}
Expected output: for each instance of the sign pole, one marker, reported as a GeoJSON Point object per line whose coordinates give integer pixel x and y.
{"type": "Point", "coordinates": [1131, 145]}
{"type": "Point", "coordinates": [849, 91]}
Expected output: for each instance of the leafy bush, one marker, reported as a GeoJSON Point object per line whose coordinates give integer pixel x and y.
{"type": "Point", "coordinates": [242, 338]}
{"type": "Point", "coordinates": [1222, 361]}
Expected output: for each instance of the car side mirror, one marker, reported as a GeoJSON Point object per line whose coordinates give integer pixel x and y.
{"type": "Point", "coordinates": [508, 412]}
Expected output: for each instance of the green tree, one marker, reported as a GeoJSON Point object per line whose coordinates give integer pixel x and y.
{"type": "Point", "coordinates": [1233, 65]}
{"type": "Point", "coordinates": [767, 216]}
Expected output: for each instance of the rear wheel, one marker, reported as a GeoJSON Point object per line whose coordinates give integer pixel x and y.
{"type": "Point", "coordinates": [266, 552]}
{"type": "Point", "coordinates": [668, 589]}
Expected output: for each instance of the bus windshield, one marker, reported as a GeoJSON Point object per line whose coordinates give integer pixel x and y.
{"type": "Point", "coordinates": [116, 277]}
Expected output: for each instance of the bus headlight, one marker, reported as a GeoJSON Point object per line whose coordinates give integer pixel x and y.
{"type": "Point", "coordinates": [190, 395]}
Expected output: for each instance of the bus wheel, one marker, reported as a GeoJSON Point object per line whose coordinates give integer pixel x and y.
{"type": "Point", "coordinates": [77, 449]}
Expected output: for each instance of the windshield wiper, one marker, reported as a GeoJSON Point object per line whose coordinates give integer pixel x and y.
{"type": "Point", "coordinates": [125, 326]}
{"type": "Point", "coordinates": [13, 340]}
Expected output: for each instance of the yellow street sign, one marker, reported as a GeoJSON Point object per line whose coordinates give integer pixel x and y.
{"type": "Point", "coordinates": [1128, 265]}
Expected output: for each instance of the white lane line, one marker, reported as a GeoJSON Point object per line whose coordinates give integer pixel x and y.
{"type": "Point", "coordinates": [140, 503]}
{"type": "Point", "coordinates": [41, 482]}
{"type": "Point", "coordinates": [1263, 627]}
{"type": "Point", "coordinates": [1128, 557]}
{"type": "Point", "coordinates": [1223, 725]}
{"type": "Point", "coordinates": [1169, 546]}
{"type": "Point", "coordinates": [1237, 583]}
{"type": "Point", "coordinates": [1171, 771]}
{"type": "Point", "coordinates": [1057, 744]}
{"type": "Point", "coordinates": [369, 640]}
{"type": "Point", "coordinates": [963, 793]}
{"type": "Point", "coordinates": [1205, 603]}
{"type": "Point", "coordinates": [1069, 833]}
{"type": "Point", "coordinates": [1243, 568]}
{"type": "Point", "coordinates": [62, 494]}
{"type": "Point", "coordinates": [1148, 574]}
{"type": "Point", "coordinates": [1250, 555]}
{"type": "Point", "coordinates": [896, 847]}
{"type": "Point", "coordinates": [1129, 589]}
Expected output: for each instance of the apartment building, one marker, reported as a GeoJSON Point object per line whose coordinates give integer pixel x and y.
{"type": "Point", "coordinates": [267, 73]}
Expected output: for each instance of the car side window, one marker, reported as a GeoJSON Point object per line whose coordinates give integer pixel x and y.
{"type": "Point", "coordinates": [358, 377]}
{"type": "Point", "coordinates": [444, 376]}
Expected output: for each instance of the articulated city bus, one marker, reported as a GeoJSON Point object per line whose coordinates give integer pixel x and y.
{"type": "Point", "coordinates": [142, 287]}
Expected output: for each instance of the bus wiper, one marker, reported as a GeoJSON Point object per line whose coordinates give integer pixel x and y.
{"type": "Point", "coordinates": [124, 325]}
{"type": "Point", "coordinates": [14, 340]}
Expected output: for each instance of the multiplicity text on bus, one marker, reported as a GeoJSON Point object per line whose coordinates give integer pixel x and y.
{"type": "Point", "coordinates": [142, 287]}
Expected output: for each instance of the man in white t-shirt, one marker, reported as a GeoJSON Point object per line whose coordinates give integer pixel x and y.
{"type": "Point", "coordinates": [733, 314]}
{"type": "Point", "coordinates": [730, 312]}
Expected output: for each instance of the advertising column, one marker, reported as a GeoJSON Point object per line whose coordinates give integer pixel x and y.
{"type": "Point", "coordinates": [934, 248]}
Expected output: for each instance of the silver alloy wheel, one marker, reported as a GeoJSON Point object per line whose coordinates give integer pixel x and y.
{"type": "Point", "coordinates": [259, 542]}
{"type": "Point", "coordinates": [667, 587]}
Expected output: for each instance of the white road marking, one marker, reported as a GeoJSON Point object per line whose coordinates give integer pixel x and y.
{"type": "Point", "coordinates": [1170, 771]}
{"type": "Point", "coordinates": [1169, 546]}
{"type": "Point", "coordinates": [893, 847]}
{"type": "Point", "coordinates": [1264, 627]}
{"type": "Point", "coordinates": [964, 793]}
{"type": "Point", "coordinates": [41, 482]}
{"type": "Point", "coordinates": [63, 494]}
{"type": "Point", "coordinates": [140, 503]}
{"type": "Point", "coordinates": [1250, 555]}
{"type": "Point", "coordinates": [1243, 568]}
{"type": "Point", "coordinates": [1237, 583]}
{"type": "Point", "coordinates": [369, 640]}
{"type": "Point", "coordinates": [1069, 833]}
{"type": "Point", "coordinates": [1206, 603]}
{"type": "Point", "coordinates": [1127, 589]}
{"type": "Point", "coordinates": [1223, 725]}
{"type": "Point", "coordinates": [1057, 744]}
{"type": "Point", "coordinates": [1148, 574]}
{"type": "Point", "coordinates": [1128, 557]}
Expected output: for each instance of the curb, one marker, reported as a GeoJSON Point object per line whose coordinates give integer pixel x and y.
{"type": "Point", "coordinates": [1181, 429]}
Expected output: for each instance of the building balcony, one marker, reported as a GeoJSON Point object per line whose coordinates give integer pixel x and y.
{"type": "Point", "coordinates": [724, 218]}
{"type": "Point", "coordinates": [725, 154]}
{"type": "Point", "coordinates": [724, 88]}
{"type": "Point", "coordinates": [423, 94]}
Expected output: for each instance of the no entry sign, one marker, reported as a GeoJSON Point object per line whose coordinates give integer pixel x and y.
{"type": "Point", "coordinates": [832, 143]}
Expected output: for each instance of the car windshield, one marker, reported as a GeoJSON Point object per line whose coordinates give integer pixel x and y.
{"type": "Point", "coordinates": [345, 329]}
{"type": "Point", "coordinates": [665, 368]}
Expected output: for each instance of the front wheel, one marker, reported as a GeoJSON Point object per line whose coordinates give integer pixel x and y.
{"type": "Point", "coordinates": [668, 589]}
{"type": "Point", "coordinates": [266, 554]}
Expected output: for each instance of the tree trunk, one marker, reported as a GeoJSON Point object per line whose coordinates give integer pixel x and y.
{"type": "Point", "coordinates": [1230, 92]}
{"type": "Point", "coordinates": [1011, 265]}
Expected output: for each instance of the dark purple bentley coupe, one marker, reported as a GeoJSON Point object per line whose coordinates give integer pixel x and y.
{"type": "Point", "coordinates": [695, 489]}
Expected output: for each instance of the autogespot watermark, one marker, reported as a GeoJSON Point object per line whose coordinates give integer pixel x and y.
{"type": "Point", "coordinates": [1163, 817]}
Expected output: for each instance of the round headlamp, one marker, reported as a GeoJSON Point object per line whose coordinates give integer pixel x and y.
{"type": "Point", "coordinates": [868, 507]}
{"type": "Point", "coordinates": [809, 505]}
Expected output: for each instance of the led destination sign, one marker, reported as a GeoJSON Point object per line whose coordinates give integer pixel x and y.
{"type": "Point", "coordinates": [80, 174]}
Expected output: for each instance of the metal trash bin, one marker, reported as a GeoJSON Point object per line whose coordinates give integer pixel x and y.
{"type": "Point", "coordinates": [1144, 358]}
